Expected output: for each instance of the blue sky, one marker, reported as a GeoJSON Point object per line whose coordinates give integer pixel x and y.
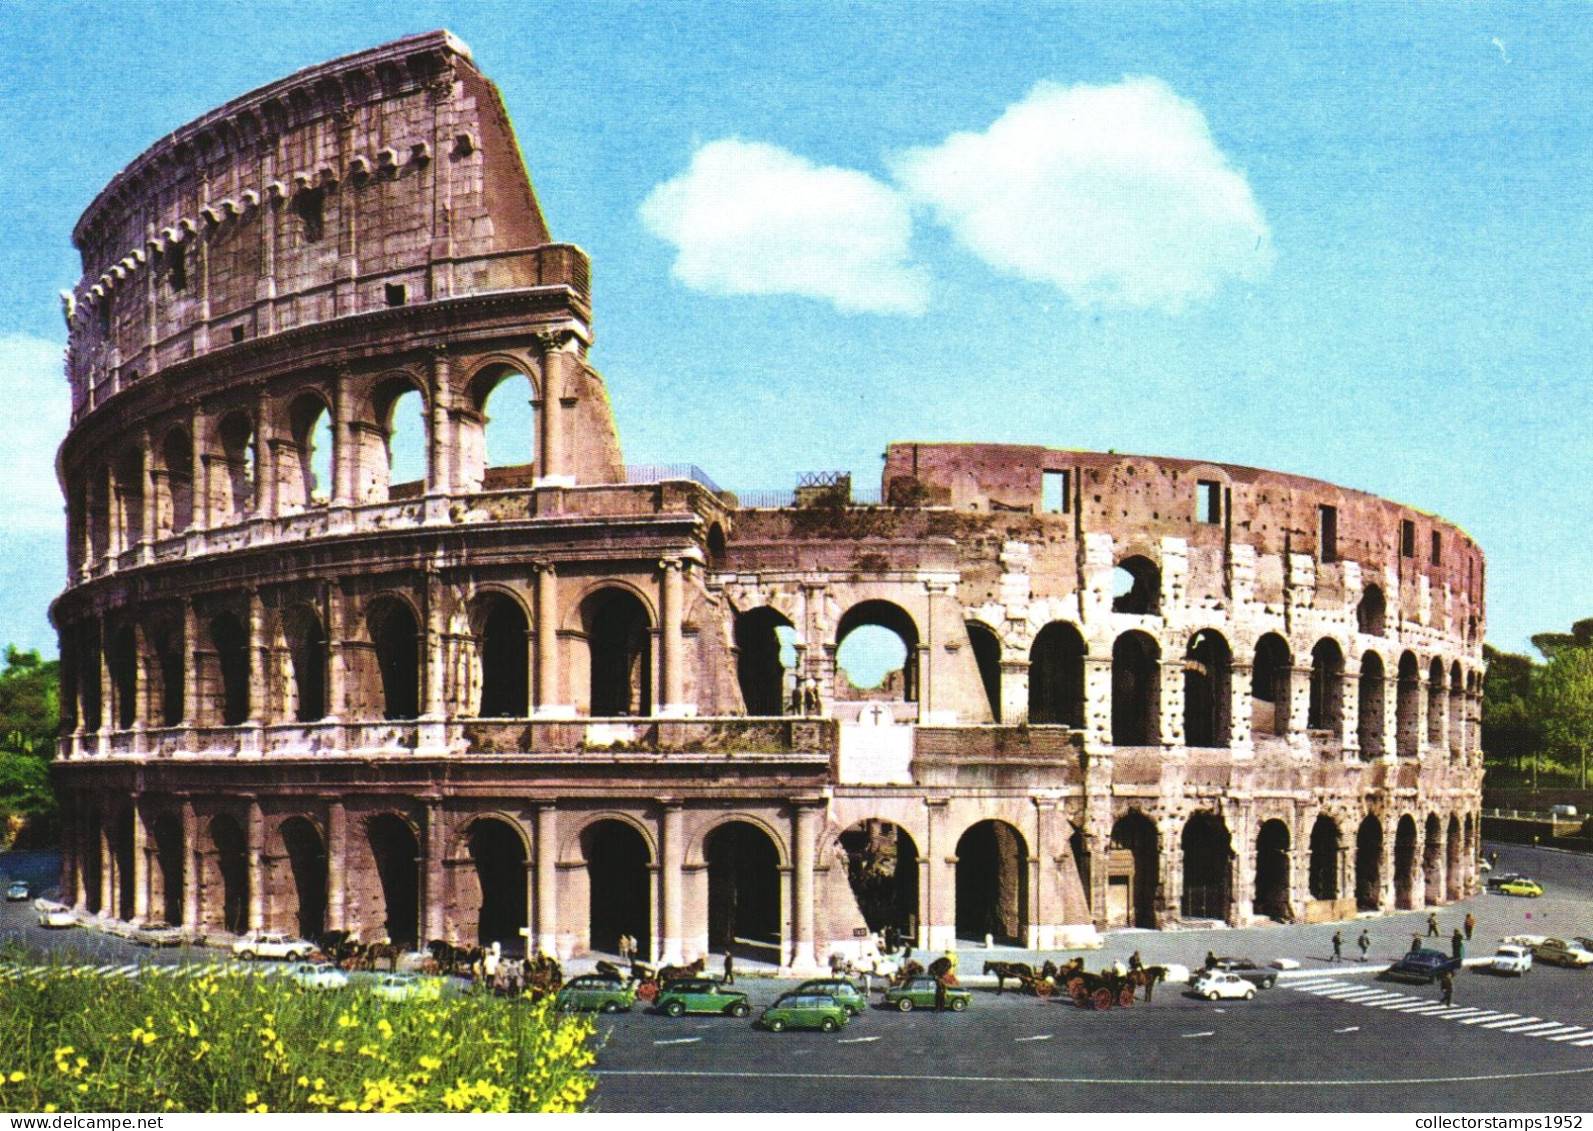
{"type": "Point", "coordinates": [1350, 242]}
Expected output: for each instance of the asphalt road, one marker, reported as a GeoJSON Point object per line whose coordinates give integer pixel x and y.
{"type": "Point", "coordinates": [1327, 1038]}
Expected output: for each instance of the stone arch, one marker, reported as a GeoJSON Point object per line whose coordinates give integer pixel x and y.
{"type": "Point", "coordinates": [127, 487]}
{"type": "Point", "coordinates": [404, 426]}
{"type": "Point", "coordinates": [1437, 704]}
{"type": "Point", "coordinates": [1056, 675]}
{"type": "Point", "coordinates": [1369, 864]}
{"type": "Point", "coordinates": [511, 445]}
{"type": "Point", "coordinates": [310, 460]}
{"type": "Point", "coordinates": [1323, 871]}
{"type": "Point", "coordinates": [1371, 612]}
{"type": "Point", "coordinates": [167, 670]}
{"type": "Point", "coordinates": [1405, 863]}
{"type": "Point", "coordinates": [986, 647]}
{"type": "Point", "coordinates": [1453, 887]}
{"type": "Point", "coordinates": [1269, 686]}
{"type": "Point", "coordinates": [123, 662]}
{"type": "Point", "coordinates": [306, 653]}
{"type": "Point", "coordinates": [619, 641]}
{"type": "Point", "coordinates": [1208, 870]}
{"type": "Point", "coordinates": [230, 643]}
{"type": "Point", "coordinates": [236, 434]}
{"type": "Point", "coordinates": [500, 856]}
{"type": "Point", "coordinates": [1133, 871]}
{"type": "Point", "coordinates": [1136, 690]}
{"type": "Point", "coordinates": [502, 632]}
{"type": "Point", "coordinates": [619, 860]}
{"type": "Point", "coordinates": [231, 849]}
{"type": "Point", "coordinates": [1272, 872]}
{"type": "Point", "coordinates": [395, 635]}
{"type": "Point", "coordinates": [170, 871]}
{"type": "Point", "coordinates": [176, 481]}
{"type": "Point", "coordinates": [714, 545]}
{"type": "Point", "coordinates": [993, 883]}
{"type": "Point", "coordinates": [307, 861]}
{"type": "Point", "coordinates": [1369, 724]}
{"type": "Point", "coordinates": [1407, 707]}
{"type": "Point", "coordinates": [1208, 696]}
{"type": "Point", "coordinates": [1137, 586]}
{"type": "Point", "coordinates": [1433, 859]}
{"type": "Point", "coordinates": [885, 616]}
{"type": "Point", "coordinates": [744, 889]}
{"type": "Point", "coordinates": [1327, 688]}
{"type": "Point", "coordinates": [395, 850]}
{"type": "Point", "coordinates": [882, 869]}
{"type": "Point", "coordinates": [765, 681]}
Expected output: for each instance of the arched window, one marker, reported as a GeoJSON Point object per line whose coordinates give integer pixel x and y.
{"type": "Point", "coordinates": [1136, 690]}
{"type": "Point", "coordinates": [306, 641]}
{"type": "Point", "coordinates": [129, 484]}
{"type": "Point", "coordinates": [1324, 869]}
{"type": "Point", "coordinates": [231, 644]}
{"type": "Point", "coordinates": [992, 884]}
{"type": "Point", "coordinates": [1369, 864]}
{"type": "Point", "coordinates": [124, 676]}
{"type": "Point", "coordinates": [1208, 874]}
{"type": "Point", "coordinates": [503, 635]}
{"type": "Point", "coordinates": [876, 653]}
{"type": "Point", "coordinates": [509, 426]}
{"type": "Point", "coordinates": [177, 472]}
{"type": "Point", "coordinates": [765, 661]}
{"type": "Point", "coordinates": [1136, 586]}
{"type": "Point", "coordinates": [311, 424]}
{"type": "Point", "coordinates": [1437, 705]}
{"type": "Point", "coordinates": [396, 636]}
{"type": "Point", "coordinates": [1370, 613]}
{"type": "Point", "coordinates": [1369, 731]}
{"type": "Point", "coordinates": [619, 641]}
{"type": "Point", "coordinates": [1269, 686]}
{"type": "Point", "coordinates": [987, 655]}
{"type": "Point", "coordinates": [1407, 708]}
{"type": "Point", "coordinates": [1207, 690]}
{"type": "Point", "coordinates": [1056, 676]}
{"type": "Point", "coordinates": [1327, 689]}
{"type": "Point", "coordinates": [401, 417]}
{"type": "Point", "coordinates": [237, 448]}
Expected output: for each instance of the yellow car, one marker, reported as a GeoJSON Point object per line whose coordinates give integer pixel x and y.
{"type": "Point", "coordinates": [1522, 886]}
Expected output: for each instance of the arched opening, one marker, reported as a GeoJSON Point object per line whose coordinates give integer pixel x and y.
{"type": "Point", "coordinates": [619, 885]}
{"type": "Point", "coordinates": [1433, 860]}
{"type": "Point", "coordinates": [509, 427]}
{"type": "Point", "coordinates": [1136, 690]}
{"type": "Point", "coordinates": [1405, 863]}
{"type": "Point", "coordinates": [128, 482]}
{"type": "Point", "coordinates": [987, 654]}
{"type": "Point", "coordinates": [1136, 586]}
{"type": "Point", "coordinates": [169, 669]}
{"type": "Point", "coordinates": [1370, 613]}
{"type": "Point", "coordinates": [1208, 872]}
{"type": "Point", "coordinates": [499, 855]}
{"type": "Point", "coordinates": [236, 433]}
{"type": "Point", "coordinates": [231, 644]}
{"type": "Point", "coordinates": [743, 891]}
{"type": "Point", "coordinates": [619, 642]}
{"type": "Point", "coordinates": [876, 653]}
{"type": "Point", "coordinates": [1133, 872]}
{"type": "Point", "coordinates": [1437, 705]}
{"type": "Point", "coordinates": [1407, 708]}
{"type": "Point", "coordinates": [167, 834]}
{"type": "Point", "coordinates": [122, 857]}
{"type": "Point", "coordinates": [307, 861]}
{"type": "Point", "coordinates": [1369, 865]}
{"type": "Point", "coordinates": [504, 635]}
{"type": "Point", "coordinates": [1207, 690]}
{"type": "Point", "coordinates": [1269, 686]}
{"type": "Point", "coordinates": [396, 637]}
{"type": "Point", "coordinates": [1327, 689]}
{"type": "Point", "coordinates": [716, 546]}
{"type": "Point", "coordinates": [232, 864]}
{"type": "Point", "coordinates": [1079, 847]}
{"type": "Point", "coordinates": [177, 469]}
{"type": "Point", "coordinates": [97, 505]}
{"type": "Point", "coordinates": [306, 641]}
{"type": "Point", "coordinates": [88, 651]}
{"type": "Point", "coordinates": [1458, 700]}
{"type": "Point", "coordinates": [401, 416]}
{"type": "Point", "coordinates": [124, 676]}
{"type": "Point", "coordinates": [1369, 723]}
{"type": "Point", "coordinates": [1272, 872]}
{"type": "Point", "coordinates": [765, 661]}
{"type": "Point", "coordinates": [396, 853]}
{"type": "Point", "coordinates": [310, 423]}
{"type": "Point", "coordinates": [1452, 886]}
{"type": "Point", "coordinates": [1324, 868]}
{"type": "Point", "coordinates": [882, 867]}
{"type": "Point", "coordinates": [1056, 676]}
{"type": "Point", "coordinates": [993, 884]}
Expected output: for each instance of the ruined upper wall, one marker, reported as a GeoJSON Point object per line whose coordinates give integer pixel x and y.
{"type": "Point", "coordinates": [388, 177]}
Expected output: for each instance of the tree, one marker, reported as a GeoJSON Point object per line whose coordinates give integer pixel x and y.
{"type": "Point", "coordinates": [1562, 700]}
{"type": "Point", "coordinates": [1510, 729]}
{"type": "Point", "coordinates": [29, 719]}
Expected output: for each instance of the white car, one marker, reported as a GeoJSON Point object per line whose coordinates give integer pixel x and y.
{"type": "Point", "coordinates": [54, 915]}
{"type": "Point", "coordinates": [1562, 953]}
{"type": "Point", "coordinates": [317, 976]}
{"type": "Point", "coordinates": [261, 944]}
{"type": "Point", "coordinates": [406, 987]}
{"type": "Point", "coordinates": [1214, 984]}
{"type": "Point", "coordinates": [1512, 958]}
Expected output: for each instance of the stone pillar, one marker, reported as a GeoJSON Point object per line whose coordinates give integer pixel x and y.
{"type": "Point", "coordinates": [1014, 692]}
{"type": "Point", "coordinates": [1390, 718]}
{"type": "Point", "coordinates": [102, 672]}
{"type": "Point", "coordinates": [336, 866]}
{"type": "Point", "coordinates": [1299, 704]}
{"type": "Point", "coordinates": [265, 459]}
{"type": "Point", "coordinates": [804, 835]}
{"type": "Point", "coordinates": [191, 869]}
{"type": "Point", "coordinates": [937, 886]}
{"type": "Point", "coordinates": [439, 464]}
{"type": "Point", "coordinates": [140, 863]}
{"type": "Point", "coordinates": [674, 859]}
{"type": "Point", "coordinates": [435, 627]}
{"type": "Point", "coordinates": [546, 642]}
{"type": "Point", "coordinates": [1349, 715]}
{"type": "Point", "coordinates": [547, 889]}
{"type": "Point", "coordinates": [433, 869]}
{"type": "Point", "coordinates": [336, 660]}
{"type": "Point", "coordinates": [259, 660]}
{"type": "Point", "coordinates": [190, 652]}
{"type": "Point", "coordinates": [144, 712]}
{"type": "Point", "coordinates": [555, 357]}
{"type": "Point", "coordinates": [107, 871]}
{"type": "Point", "coordinates": [201, 469]}
{"type": "Point", "coordinates": [672, 660]}
{"type": "Point", "coordinates": [151, 514]}
{"type": "Point", "coordinates": [1239, 733]}
{"type": "Point", "coordinates": [256, 859]}
{"type": "Point", "coordinates": [1098, 701]}
{"type": "Point", "coordinates": [345, 448]}
{"type": "Point", "coordinates": [1170, 702]}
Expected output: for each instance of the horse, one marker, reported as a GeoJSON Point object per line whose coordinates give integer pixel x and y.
{"type": "Point", "coordinates": [668, 974]}
{"type": "Point", "coordinates": [1148, 976]}
{"type": "Point", "coordinates": [1020, 972]}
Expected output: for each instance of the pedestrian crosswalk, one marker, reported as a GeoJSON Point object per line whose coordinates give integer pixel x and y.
{"type": "Point", "coordinates": [1378, 997]}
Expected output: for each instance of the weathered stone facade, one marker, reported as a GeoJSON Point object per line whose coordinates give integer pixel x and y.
{"type": "Point", "coordinates": [572, 700]}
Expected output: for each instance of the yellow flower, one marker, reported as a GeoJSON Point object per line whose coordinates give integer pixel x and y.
{"type": "Point", "coordinates": [17, 1077]}
{"type": "Point", "coordinates": [252, 1097]}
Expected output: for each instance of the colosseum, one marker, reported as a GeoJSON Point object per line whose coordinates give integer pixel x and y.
{"type": "Point", "coordinates": [522, 692]}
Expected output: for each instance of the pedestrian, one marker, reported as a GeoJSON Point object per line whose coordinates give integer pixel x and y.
{"type": "Point", "coordinates": [1457, 944]}
{"type": "Point", "coordinates": [1447, 981]}
{"type": "Point", "coordinates": [1135, 962]}
{"type": "Point", "coordinates": [1365, 943]}
{"type": "Point", "coordinates": [1471, 925]}
{"type": "Point", "coordinates": [1338, 946]}
{"type": "Point", "coordinates": [940, 992]}
{"type": "Point", "coordinates": [1211, 960]}
{"type": "Point", "coordinates": [730, 969]}
{"type": "Point", "coordinates": [1432, 925]}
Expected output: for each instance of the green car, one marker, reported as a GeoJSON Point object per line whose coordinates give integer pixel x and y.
{"type": "Point", "coordinates": [701, 995]}
{"type": "Point", "coordinates": [838, 988]}
{"type": "Point", "coordinates": [591, 992]}
{"type": "Point", "coordinates": [805, 1011]}
{"type": "Point", "coordinates": [919, 993]}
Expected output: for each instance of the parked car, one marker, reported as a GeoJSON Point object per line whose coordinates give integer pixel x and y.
{"type": "Point", "coordinates": [159, 934]}
{"type": "Point", "coordinates": [1561, 952]}
{"type": "Point", "coordinates": [592, 991]}
{"type": "Point", "coordinates": [317, 976]}
{"type": "Point", "coordinates": [701, 995]}
{"type": "Point", "coordinates": [1511, 958]}
{"type": "Point", "coordinates": [1250, 970]}
{"type": "Point", "coordinates": [805, 1011]}
{"type": "Point", "coordinates": [1422, 966]}
{"type": "Point", "coordinates": [1215, 984]}
{"type": "Point", "coordinates": [919, 993]}
{"type": "Point", "coordinates": [263, 944]}
{"type": "Point", "coordinates": [54, 915]}
{"type": "Point", "coordinates": [18, 890]}
{"type": "Point", "coordinates": [406, 987]}
{"type": "Point", "coordinates": [1496, 881]}
{"type": "Point", "coordinates": [840, 989]}
{"type": "Point", "coordinates": [1521, 886]}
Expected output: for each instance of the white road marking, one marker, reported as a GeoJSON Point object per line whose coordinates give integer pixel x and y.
{"type": "Point", "coordinates": [857, 1040]}
{"type": "Point", "coordinates": [1427, 1010]}
{"type": "Point", "coordinates": [1507, 1019]}
{"type": "Point", "coordinates": [1208, 1033]}
{"type": "Point", "coordinates": [1576, 1031]}
{"type": "Point", "coordinates": [1351, 1029]}
{"type": "Point", "coordinates": [1582, 1044]}
{"type": "Point", "coordinates": [1408, 1005]}
{"type": "Point", "coordinates": [1541, 1029]}
{"type": "Point", "coordinates": [1041, 1037]}
{"type": "Point", "coordinates": [1487, 1015]}
{"type": "Point", "coordinates": [679, 1041]}
{"type": "Point", "coordinates": [1521, 1026]}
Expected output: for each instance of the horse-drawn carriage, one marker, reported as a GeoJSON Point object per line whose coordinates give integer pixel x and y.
{"type": "Point", "coordinates": [1115, 985]}
{"type": "Point", "coordinates": [647, 980]}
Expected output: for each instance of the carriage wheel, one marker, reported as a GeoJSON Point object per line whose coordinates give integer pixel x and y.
{"type": "Point", "coordinates": [648, 990]}
{"type": "Point", "coordinates": [1042, 989]}
{"type": "Point", "coordinates": [1125, 997]}
{"type": "Point", "coordinates": [1079, 996]}
{"type": "Point", "coordinates": [1075, 986]}
{"type": "Point", "coordinates": [1103, 998]}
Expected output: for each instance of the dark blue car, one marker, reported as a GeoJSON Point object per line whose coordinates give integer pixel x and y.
{"type": "Point", "coordinates": [1423, 966]}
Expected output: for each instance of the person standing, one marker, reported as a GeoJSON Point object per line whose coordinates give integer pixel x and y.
{"type": "Point", "coordinates": [1447, 981]}
{"type": "Point", "coordinates": [730, 969]}
{"type": "Point", "coordinates": [1471, 925]}
{"type": "Point", "coordinates": [1457, 945]}
{"type": "Point", "coordinates": [1432, 925]}
{"type": "Point", "coordinates": [1338, 946]}
{"type": "Point", "coordinates": [1364, 942]}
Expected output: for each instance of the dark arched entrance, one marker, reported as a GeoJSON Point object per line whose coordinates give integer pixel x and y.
{"type": "Point", "coordinates": [1056, 676]}
{"type": "Point", "coordinates": [1136, 690]}
{"type": "Point", "coordinates": [306, 640]}
{"type": "Point", "coordinates": [1369, 728]}
{"type": "Point", "coordinates": [1407, 708]}
{"type": "Point", "coordinates": [1272, 872]}
{"type": "Point", "coordinates": [1369, 865]}
{"type": "Point", "coordinates": [1324, 869]}
{"type": "Point", "coordinates": [505, 659]}
{"type": "Point", "coordinates": [93, 866]}
{"type": "Point", "coordinates": [1207, 690]}
{"type": "Point", "coordinates": [122, 854]}
{"type": "Point", "coordinates": [232, 862]}
{"type": "Point", "coordinates": [1208, 852]}
{"type": "Point", "coordinates": [1327, 689]}
{"type": "Point", "coordinates": [882, 867]}
{"type": "Point", "coordinates": [168, 837]}
{"type": "Point", "coordinates": [231, 643]}
{"type": "Point", "coordinates": [1269, 686]}
{"type": "Point", "coordinates": [620, 887]}
{"type": "Point", "coordinates": [307, 860]}
{"type": "Point", "coordinates": [1452, 886]}
{"type": "Point", "coordinates": [743, 891]}
{"type": "Point", "coordinates": [993, 884]}
{"type": "Point", "coordinates": [1433, 860]}
{"type": "Point", "coordinates": [1133, 872]}
{"type": "Point", "coordinates": [396, 637]}
{"type": "Point", "coordinates": [396, 853]}
{"type": "Point", "coordinates": [620, 646]}
{"type": "Point", "coordinates": [759, 671]}
{"type": "Point", "coordinates": [1405, 863]}
{"type": "Point", "coordinates": [499, 856]}
{"type": "Point", "coordinates": [987, 654]}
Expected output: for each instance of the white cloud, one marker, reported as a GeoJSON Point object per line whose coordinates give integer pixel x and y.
{"type": "Point", "coordinates": [1114, 194]}
{"type": "Point", "coordinates": [38, 410]}
{"type": "Point", "coordinates": [754, 219]}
